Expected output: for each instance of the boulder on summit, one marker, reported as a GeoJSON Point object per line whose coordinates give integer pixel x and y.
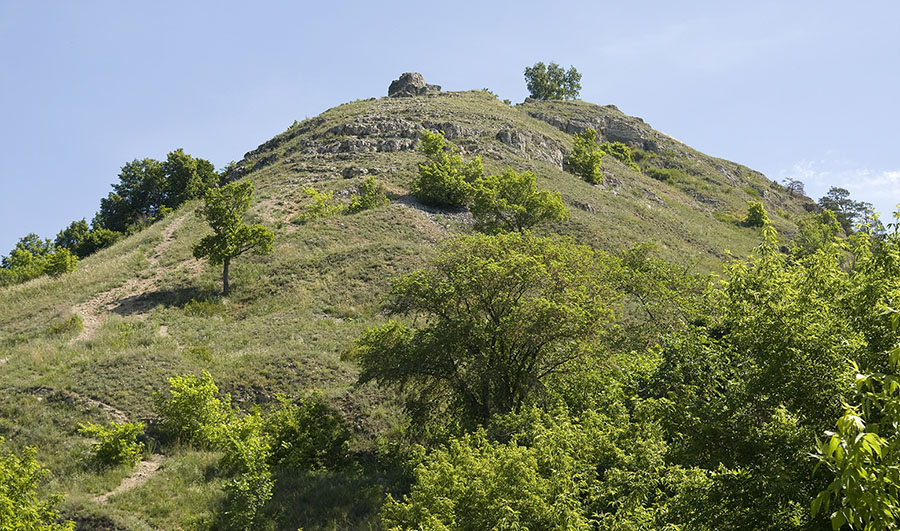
{"type": "Point", "coordinates": [411, 84]}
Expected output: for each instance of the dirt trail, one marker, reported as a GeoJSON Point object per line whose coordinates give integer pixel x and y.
{"type": "Point", "coordinates": [144, 471]}
{"type": "Point", "coordinates": [125, 298]}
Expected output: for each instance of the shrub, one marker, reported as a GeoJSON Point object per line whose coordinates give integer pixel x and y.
{"type": "Point", "coordinates": [20, 506]}
{"type": "Point", "coordinates": [512, 202]}
{"type": "Point", "coordinates": [444, 180]}
{"type": "Point", "coordinates": [115, 445]}
{"type": "Point", "coordinates": [320, 207]}
{"type": "Point", "coordinates": [584, 160]}
{"type": "Point", "coordinates": [308, 435]}
{"type": "Point", "coordinates": [60, 261]}
{"type": "Point", "coordinates": [247, 453]}
{"type": "Point", "coordinates": [370, 196]}
{"type": "Point", "coordinates": [756, 214]}
{"type": "Point", "coordinates": [622, 153]}
{"type": "Point", "coordinates": [191, 413]}
{"type": "Point", "coordinates": [667, 175]}
{"type": "Point", "coordinates": [72, 325]}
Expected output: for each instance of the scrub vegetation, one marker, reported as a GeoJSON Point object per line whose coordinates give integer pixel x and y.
{"type": "Point", "coordinates": [453, 332]}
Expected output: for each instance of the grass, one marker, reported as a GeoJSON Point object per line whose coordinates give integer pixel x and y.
{"type": "Point", "coordinates": [294, 312]}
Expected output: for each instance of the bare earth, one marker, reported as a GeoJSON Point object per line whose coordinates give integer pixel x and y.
{"type": "Point", "coordinates": [124, 298]}
{"type": "Point", "coordinates": [144, 471]}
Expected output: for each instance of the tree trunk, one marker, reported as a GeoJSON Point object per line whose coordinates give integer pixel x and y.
{"type": "Point", "coordinates": [225, 287]}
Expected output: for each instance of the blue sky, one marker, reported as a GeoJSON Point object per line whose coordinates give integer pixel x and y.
{"type": "Point", "coordinates": [793, 89]}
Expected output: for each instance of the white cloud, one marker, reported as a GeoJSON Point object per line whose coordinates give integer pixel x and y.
{"type": "Point", "coordinates": [877, 186]}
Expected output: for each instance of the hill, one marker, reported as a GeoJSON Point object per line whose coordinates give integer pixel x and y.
{"type": "Point", "coordinates": [95, 345]}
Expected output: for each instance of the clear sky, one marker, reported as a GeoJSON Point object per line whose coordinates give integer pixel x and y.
{"type": "Point", "coordinates": [802, 89]}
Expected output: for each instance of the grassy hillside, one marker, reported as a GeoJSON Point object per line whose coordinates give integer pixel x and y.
{"type": "Point", "coordinates": [148, 310]}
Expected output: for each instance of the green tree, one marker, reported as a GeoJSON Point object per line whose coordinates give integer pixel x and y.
{"type": "Point", "coordinates": [187, 177]}
{"type": "Point", "coordinates": [584, 160]}
{"type": "Point", "coordinates": [20, 507]}
{"type": "Point", "coordinates": [444, 180]}
{"type": "Point", "coordinates": [135, 199]}
{"type": "Point", "coordinates": [847, 211]}
{"type": "Point", "coordinates": [502, 314]}
{"type": "Point", "coordinates": [512, 202]}
{"type": "Point", "coordinates": [552, 82]}
{"type": "Point", "coordinates": [60, 262]}
{"type": "Point", "coordinates": [223, 209]}
{"type": "Point", "coordinates": [756, 215]}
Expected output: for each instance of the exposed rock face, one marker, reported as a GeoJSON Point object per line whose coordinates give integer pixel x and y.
{"type": "Point", "coordinates": [411, 84]}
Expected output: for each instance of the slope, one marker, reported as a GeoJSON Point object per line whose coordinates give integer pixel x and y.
{"type": "Point", "coordinates": [150, 311]}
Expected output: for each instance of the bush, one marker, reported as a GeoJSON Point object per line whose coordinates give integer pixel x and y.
{"type": "Point", "coordinates": [191, 413]}
{"type": "Point", "coordinates": [622, 153]}
{"type": "Point", "coordinates": [320, 207]}
{"type": "Point", "coordinates": [584, 160]}
{"type": "Point", "coordinates": [60, 261]}
{"type": "Point", "coordinates": [20, 506]}
{"type": "Point", "coordinates": [308, 435]}
{"type": "Point", "coordinates": [72, 325]}
{"type": "Point", "coordinates": [445, 180]}
{"type": "Point", "coordinates": [512, 202]}
{"type": "Point", "coordinates": [370, 196]}
{"type": "Point", "coordinates": [756, 214]}
{"type": "Point", "coordinates": [247, 453]}
{"type": "Point", "coordinates": [115, 445]}
{"type": "Point", "coordinates": [667, 175]}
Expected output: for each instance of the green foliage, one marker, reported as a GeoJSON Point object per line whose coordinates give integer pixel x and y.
{"type": "Point", "coordinates": [552, 82]}
{"type": "Point", "coordinates": [115, 445]}
{"type": "Point", "coordinates": [370, 196]}
{"type": "Point", "coordinates": [622, 153]}
{"type": "Point", "coordinates": [667, 175]}
{"type": "Point", "coordinates": [815, 232]}
{"type": "Point", "coordinates": [501, 315]}
{"type": "Point", "coordinates": [320, 207]}
{"type": "Point", "coordinates": [223, 209]}
{"type": "Point", "coordinates": [33, 257]}
{"type": "Point", "coordinates": [186, 178]}
{"type": "Point", "coordinates": [584, 160]}
{"type": "Point", "coordinates": [847, 211]}
{"type": "Point", "coordinates": [191, 412]}
{"type": "Point", "coordinates": [756, 215]}
{"type": "Point", "coordinates": [20, 507]}
{"type": "Point", "coordinates": [512, 202]}
{"type": "Point", "coordinates": [444, 180]}
{"type": "Point", "coordinates": [147, 187]}
{"type": "Point", "coordinates": [552, 471]}
{"type": "Point", "coordinates": [60, 262]}
{"type": "Point", "coordinates": [306, 435]}
{"type": "Point", "coordinates": [247, 454]}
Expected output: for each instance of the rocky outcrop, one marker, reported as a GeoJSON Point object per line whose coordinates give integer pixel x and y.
{"type": "Point", "coordinates": [411, 84]}
{"type": "Point", "coordinates": [533, 145]}
{"type": "Point", "coordinates": [609, 128]}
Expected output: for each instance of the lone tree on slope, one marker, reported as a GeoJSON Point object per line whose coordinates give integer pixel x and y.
{"type": "Point", "coordinates": [551, 82]}
{"type": "Point", "coordinates": [223, 210]}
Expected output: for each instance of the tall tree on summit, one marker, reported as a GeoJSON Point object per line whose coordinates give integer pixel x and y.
{"type": "Point", "coordinates": [223, 209]}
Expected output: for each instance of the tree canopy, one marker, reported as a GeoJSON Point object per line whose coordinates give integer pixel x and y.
{"type": "Point", "coordinates": [511, 201]}
{"type": "Point", "coordinates": [223, 209]}
{"type": "Point", "coordinates": [552, 82]}
{"type": "Point", "coordinates": [501, 315]}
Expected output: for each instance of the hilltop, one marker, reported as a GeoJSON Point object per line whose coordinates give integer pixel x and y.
{"type": "Point", "coordinates": [95, 344]}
